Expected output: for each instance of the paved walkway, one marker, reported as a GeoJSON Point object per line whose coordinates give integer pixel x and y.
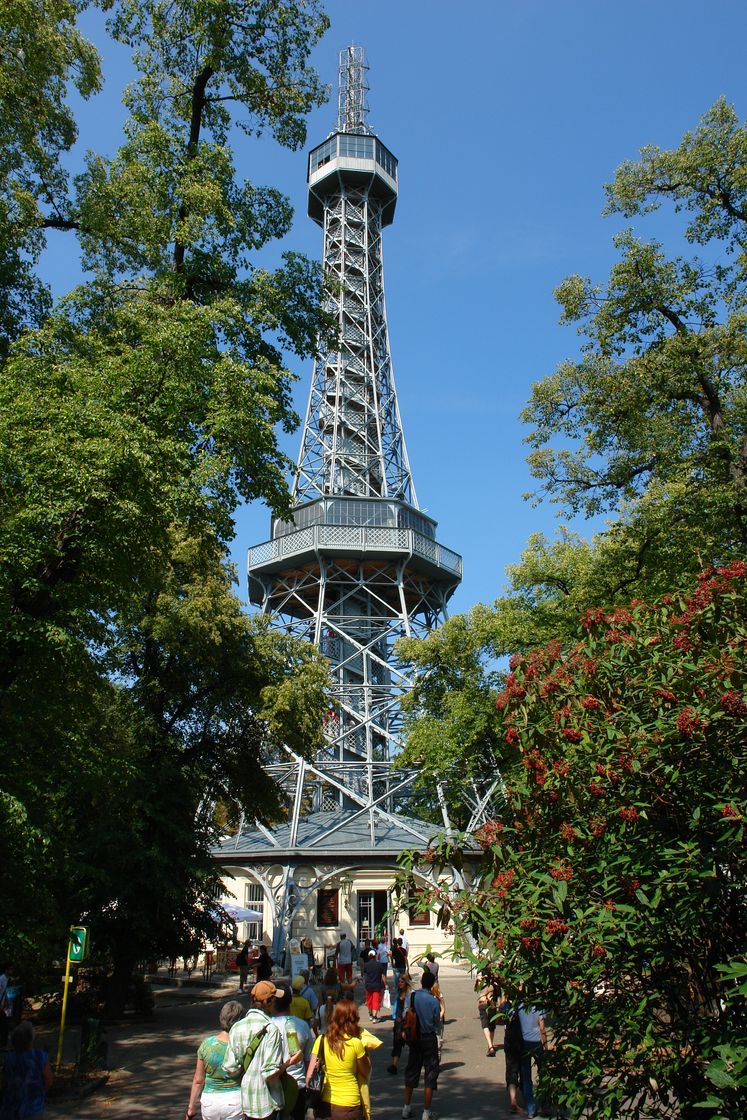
{"type": "Point", "coordinates": [155, 1061]}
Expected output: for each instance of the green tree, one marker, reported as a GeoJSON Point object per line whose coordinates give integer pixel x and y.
{"type": "Point", "coordinates": [648, 426]}
{"type": "Point", "coordinates": [610, 890]}
{"type": "Point", "coordinates": [655, 407]}
{"type": "Point", "coordinates": [450, 713]}
{"type": "Point", "coordinates": [42, 51]}
{"type": "Point", "coordinates": [135, 416]}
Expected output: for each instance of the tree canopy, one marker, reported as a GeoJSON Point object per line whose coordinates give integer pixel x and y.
{"type": "Point", "coordinates": [649, 422]}
{"type": "Point", "coordinates": [648, 426]}
{"type": "Point", "coordinates": [135, 414]}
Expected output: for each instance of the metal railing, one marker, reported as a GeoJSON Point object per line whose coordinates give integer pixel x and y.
{"type": "Point", "coordinates": [330, 538]}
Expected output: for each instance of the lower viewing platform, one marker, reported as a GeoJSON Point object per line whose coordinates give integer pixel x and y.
{"type": "Point", "coordinates": [355, 541]}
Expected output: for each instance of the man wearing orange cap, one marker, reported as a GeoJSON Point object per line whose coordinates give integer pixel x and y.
{"type": "Point", "coordinates": [255, 1044]}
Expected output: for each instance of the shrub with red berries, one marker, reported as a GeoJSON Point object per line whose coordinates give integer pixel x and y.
{"type": "Point", "coordinates": [616, 882]}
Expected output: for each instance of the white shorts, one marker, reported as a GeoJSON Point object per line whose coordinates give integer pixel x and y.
{"type": "Point", "coordinates": [222, 1106]}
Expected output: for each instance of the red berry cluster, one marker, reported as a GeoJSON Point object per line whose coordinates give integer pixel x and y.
{"type": "Point", "coordinates": [503, 881]}
{"type": "Point", "coordinates": [489, 833]}
{"type": "Point", "coordinates": [563, 873]}
{"type": "Point", "coordinates": [733, 704]}
{"type": "Point", "coordinates": [689, 722]}
{"type": "Point", "coordinates": [629, 814]}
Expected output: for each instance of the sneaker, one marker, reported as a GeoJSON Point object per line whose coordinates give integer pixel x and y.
{"type": "Point", "coordinates": [406, 1112]}
{"type": "Point", "coordinates": [429, 1114]}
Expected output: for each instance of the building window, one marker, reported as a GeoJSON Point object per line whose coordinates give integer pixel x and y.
{"type": "Point", "coordinates": [360, 147]}
{"type": "Point", "coordinates": [254, 900]}
{"type": "Point", "coordinates": [328, 907]}
{"type": "Point", "coordinates": [324, 153]}
{"type": "Point", "coordinates": [417, 916]}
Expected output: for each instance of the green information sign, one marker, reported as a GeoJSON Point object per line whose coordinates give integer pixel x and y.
{"type": "Point", "coordinates": [78, 950]}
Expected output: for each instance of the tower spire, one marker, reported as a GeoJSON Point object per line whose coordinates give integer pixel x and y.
{"type": "Point", "coordinates": [352, 100]}
{"type": "Point", "coordinates": [352, 442]}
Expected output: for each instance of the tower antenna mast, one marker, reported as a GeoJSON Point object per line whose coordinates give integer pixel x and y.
{"type": "Point", "coordinates": [352, 98]}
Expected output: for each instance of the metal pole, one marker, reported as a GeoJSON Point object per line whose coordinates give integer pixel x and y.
{"type": "Point", "coordinates": [58, 1062]}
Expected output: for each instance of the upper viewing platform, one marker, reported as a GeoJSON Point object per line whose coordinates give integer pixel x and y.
{"type": "Point", "coordinates": [352, 156]}
{"type": "Point", "coordinates": [348, 158]}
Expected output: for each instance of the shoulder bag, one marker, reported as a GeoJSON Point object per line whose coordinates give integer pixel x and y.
{"type": "Point", "coordinates": [253, 1047]}
{"type": "Point", "coordinates": [410, 1024]}
{"type": "Point", "coordinates": [315, 1083]}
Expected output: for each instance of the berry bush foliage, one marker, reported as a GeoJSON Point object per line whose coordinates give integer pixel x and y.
{"type": "Point", "coordinates": [613, 886]}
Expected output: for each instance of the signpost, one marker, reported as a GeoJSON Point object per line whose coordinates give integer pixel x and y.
{"type": "Point", "coordinates": [77, 951]}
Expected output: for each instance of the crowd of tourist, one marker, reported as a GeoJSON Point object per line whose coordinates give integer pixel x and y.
{"type": "Point", "coordinates": [297, 1051]}
{"type": "Point", "coordinates": [300, 1051]}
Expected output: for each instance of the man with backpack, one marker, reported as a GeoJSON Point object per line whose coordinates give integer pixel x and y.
{"type": "Point", "coordinates": [256, 1045]}
{"type": "Point", "coordinates": [420, 1031]}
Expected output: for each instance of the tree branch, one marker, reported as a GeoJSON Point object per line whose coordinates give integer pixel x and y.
{"type": "Point", "coordinates": [672, 317]}
{"type": "Point", "coordinates": [60, 223]}
{"type": "Point", "coordinates": [195, 124]}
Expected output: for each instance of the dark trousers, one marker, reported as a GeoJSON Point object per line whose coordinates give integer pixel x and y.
{"type": "Point", "coordinates": [529, 1050]}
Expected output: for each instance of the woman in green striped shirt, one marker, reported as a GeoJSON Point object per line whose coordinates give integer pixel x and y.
{"type": "Point", "coordinates": [216, 1095]}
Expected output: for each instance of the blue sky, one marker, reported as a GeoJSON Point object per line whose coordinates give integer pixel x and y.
{"type": "Point", "coordinates": [507, 118]}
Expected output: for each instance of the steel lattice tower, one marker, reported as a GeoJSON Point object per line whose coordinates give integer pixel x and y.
{"type": "Point", "coordinates": [358, 566]}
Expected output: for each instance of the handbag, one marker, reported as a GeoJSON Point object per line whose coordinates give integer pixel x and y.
{"type": "Point", "coordinates": [315, 1083]}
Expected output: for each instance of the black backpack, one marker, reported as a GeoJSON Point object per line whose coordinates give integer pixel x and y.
{"type": "Point", "coordinates": [513, 1039]}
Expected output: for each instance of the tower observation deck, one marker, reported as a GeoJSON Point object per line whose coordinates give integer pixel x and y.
{"type": "Point", "coordinates": [358, 564]}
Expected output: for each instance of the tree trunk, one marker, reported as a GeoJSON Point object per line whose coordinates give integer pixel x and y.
{"type": "Point", "coordinates": [116, 988]}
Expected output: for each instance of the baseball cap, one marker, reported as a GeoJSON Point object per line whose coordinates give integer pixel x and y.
{"type": "Point", "coordinates": [372, 952]}
{"type": "Point", "coordinates": [265, 989]}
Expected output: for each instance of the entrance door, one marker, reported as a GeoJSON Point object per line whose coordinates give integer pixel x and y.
{"type": "Point", "coordinates": [372, 906]}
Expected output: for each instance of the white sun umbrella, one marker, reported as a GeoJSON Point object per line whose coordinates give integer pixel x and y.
{"type": "Point", "coordinates": [241, 913]}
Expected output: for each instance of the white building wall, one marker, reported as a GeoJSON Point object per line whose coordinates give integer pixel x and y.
{"type": "Point", "coordinates": [245, 882]}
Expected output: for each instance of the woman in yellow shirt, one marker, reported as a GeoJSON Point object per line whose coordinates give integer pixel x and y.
{"type": "Point", "coordinates": [345, 1061]}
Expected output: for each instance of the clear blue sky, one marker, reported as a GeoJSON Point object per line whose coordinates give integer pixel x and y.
{"type": "Point", "coordinates": [507, 116]}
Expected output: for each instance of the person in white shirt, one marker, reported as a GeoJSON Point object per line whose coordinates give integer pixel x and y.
{"type": "Point", "coordinates": [403, 939]}
{"type": "Point", "coordinates": [299, 1038]}
{"type": "Point", "coordinates": [261, 1087]}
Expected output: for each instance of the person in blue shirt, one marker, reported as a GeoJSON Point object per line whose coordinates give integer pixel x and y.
{"type": "Point", "coordinates": [534, 1041]}
{"type": "Point", "coordinates": [26, 1077]}
{"type": "Point", "coordinates": [424, 1050]}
